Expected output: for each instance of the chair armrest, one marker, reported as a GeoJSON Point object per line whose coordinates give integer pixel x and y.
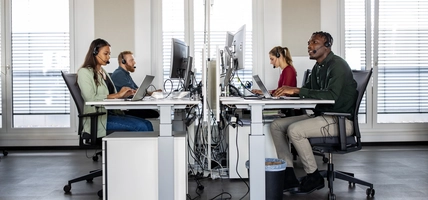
{"type": "Point", "coordinates": [336, 114]}
{"type": "Point", "coordinates": [342, 127]}
{"type": "Point", "coordinates": [94, 124]}
{"type": "Point", "coordinates": [95, 114]}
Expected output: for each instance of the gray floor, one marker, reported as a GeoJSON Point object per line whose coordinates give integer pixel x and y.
{"type": "Point", "coordinates": [397, 172]}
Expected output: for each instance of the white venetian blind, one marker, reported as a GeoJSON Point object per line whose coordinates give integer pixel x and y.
{"type": "Point", "coordinates": [403, 56]}
{"type": "Point", "coordinates": [224, 17]}
{"type": "Point", "coordinates": [355, 40]}
{"type": "Point", "coordinates": [40, 44]}
{"type": "Point", "coordinates": [172, 27]}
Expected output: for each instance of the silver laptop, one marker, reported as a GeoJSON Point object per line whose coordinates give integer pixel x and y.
{"type": "Point", "coordinates": [142, 90]}
{"type": "Point", "coordinates": [266, 92]}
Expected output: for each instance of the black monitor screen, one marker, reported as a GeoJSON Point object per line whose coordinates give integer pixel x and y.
{"type": "Point", "coordinates": [188, 74]}
{"type": "Point", "coordinates": [179, 55]}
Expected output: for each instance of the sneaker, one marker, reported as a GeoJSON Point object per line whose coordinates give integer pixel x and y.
{"type": "Point", "coordinates": [311, 182]}
{"type": "Point", "coordinates": [291, 184]}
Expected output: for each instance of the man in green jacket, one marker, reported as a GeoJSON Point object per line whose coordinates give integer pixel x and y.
{"type": "Point", "coordinates": [331, 79]}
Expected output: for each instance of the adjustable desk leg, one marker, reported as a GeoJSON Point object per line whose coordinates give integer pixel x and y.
{"type": "Point", "coordinates": [165, 154]}
{"type": "Point", "coordinates": [257, 154]}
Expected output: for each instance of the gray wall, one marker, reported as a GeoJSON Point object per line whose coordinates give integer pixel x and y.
{"type": "Point", "coordinates": [114, 22]}
{"type": "Point", "coordinates": [300, 19]}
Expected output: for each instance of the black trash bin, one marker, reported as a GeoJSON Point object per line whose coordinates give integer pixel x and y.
{"type": "Point", "coordinates": [274, 176]}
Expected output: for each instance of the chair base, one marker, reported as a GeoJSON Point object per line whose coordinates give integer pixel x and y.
{"type": "Point", "coordinates": [330, 174]}
{"type": "Point", "coordinates": [88, 177]}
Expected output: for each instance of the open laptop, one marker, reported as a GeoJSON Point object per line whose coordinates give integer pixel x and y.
{"type": "Point", "coordinates": [142, 90]}
{"type": "Point", "coordinates": [266, 93]}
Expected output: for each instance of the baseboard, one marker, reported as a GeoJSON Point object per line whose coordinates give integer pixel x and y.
{"type": "Point", "coordinates": [418, 143]}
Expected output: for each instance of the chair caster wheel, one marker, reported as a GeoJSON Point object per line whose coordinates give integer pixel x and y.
{"type": "Point", "coordinates": [100, 193]}
{"type": "Point", "coordinates": [95, 158]}
{"type": "Point", "coordinates": [201, 187]}
{"type": "Point", "coordinates": [331, 196]}
{"type": "Point", "coordinates": [67, 188]}
{"type": "Point", "coordinates": [89, 180]}
{"type": "Point", "coordinates": [370, 192]}
{"type": "Point", "coordinates": [325, 160]}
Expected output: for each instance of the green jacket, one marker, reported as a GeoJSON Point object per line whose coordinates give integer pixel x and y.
{"type": "Point", "coordinates": [332, 79]}
{"type": "Point", "coordinates": [91, 92]}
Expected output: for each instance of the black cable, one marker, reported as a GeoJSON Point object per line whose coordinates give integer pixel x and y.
{"type": "Point", "coordinates": [237, 160]}
{"type": "Point", "coordinates": [172, 86]}
{"type": "Point", "coordinates": [325, 130]}
{"type": "Point", "coordinates": [221, 194]}
{"type": "Point", "coordinates": [237, 75]}
{"type": "Point", "coordinates": [151, 85]}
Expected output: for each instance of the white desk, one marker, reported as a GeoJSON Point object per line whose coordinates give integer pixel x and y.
{"type": "Point", "coordinates": [165, 139]}
{"type": "Point", "coordinates": [257, 137]}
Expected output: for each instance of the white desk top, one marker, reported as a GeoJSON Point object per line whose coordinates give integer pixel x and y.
{"type": "Point", "coordinates": [144, 104]}
{"type": "Point", "coordinates": [274, 103]}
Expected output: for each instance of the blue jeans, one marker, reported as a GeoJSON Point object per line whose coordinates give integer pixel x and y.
{"type": "Point", "coordinates": [127, 123]}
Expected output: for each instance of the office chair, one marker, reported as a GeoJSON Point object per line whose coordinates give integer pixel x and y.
{"type": "Point", "coordinates": [343, 144]}
{"type": "Point", "coordinates": [85, 139]}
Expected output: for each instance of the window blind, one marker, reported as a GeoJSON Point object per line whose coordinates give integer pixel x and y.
{"type": "Point", "coordinates": [355, 39]}
{"type": "Point", "coordinates": [403, 60]}
{"type": "Point", "coordinates": [37, 60]}
{"type": "Point", "coordinates": [173, 23]}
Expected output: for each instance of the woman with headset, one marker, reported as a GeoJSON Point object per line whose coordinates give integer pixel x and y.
{"type": "Point", "coordinates": [96, 85]}
{"type": "Point", "coordinates": [281, 57]}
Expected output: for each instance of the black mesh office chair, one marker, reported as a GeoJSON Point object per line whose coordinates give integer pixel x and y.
{"type": "Point", "coordinates": [343, 144]}
{"type": "Point", "coordinates": [85, 139]}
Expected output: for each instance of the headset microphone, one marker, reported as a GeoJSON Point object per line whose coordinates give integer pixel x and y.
{"type": "Point", "coordinates": [107, 62]}
{"type": "Point", "coordinates": [315, 50]}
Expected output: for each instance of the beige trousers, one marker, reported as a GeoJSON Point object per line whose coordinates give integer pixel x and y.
{"type": "Point", "coordinates": [297, 129]}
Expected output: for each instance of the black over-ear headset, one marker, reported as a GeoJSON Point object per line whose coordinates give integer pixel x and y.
{"type": "Point", "coordinates": [328, 39]}
{"type": "Point", "coordinates": [277, 52]}
{"type": "Point", "coordinates": [95, 52]}
{"type": "Point", "coordinates": [99, 43]}
{"type": "Point", "coordinates": [123, 58]}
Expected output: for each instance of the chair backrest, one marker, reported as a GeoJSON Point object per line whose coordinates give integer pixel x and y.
{"type": "Point", "coordinates": [71, 82]}
{"type": "Point", "coordinates": [350, 143]}
{"type": "Point", "coordinates": [305, 77]}
{"type": "Point", "coordinates": [362, 77]}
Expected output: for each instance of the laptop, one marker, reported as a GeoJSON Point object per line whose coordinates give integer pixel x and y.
{"type": "Point", "coordinates": [142, 90]}
{"type": "Point", "coordinates": [266, 93]}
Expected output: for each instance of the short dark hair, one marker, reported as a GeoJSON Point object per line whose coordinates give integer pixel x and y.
{"type": "Point", "coordinates": [326, 36]}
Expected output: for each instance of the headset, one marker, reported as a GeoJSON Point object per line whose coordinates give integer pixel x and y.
{"type": "Point", "coordinates": [123, 58]}
{"type": "Point", "coordinates": [328, 39]}
{"type": "Point", "coordinates": [95, 52]}
{"type": "Point", "coordinates": [277, 53]}
{"type": "Point", "coordinates": [98, 43]}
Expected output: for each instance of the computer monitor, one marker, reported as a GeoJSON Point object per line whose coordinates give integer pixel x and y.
{"type": "Point", "coordinates": [228, 45]}
{"type": "Point", "coordinates": [238, 48]}
{"type": "Point", "coordinates": [188, 74]}
{"type": "Point", "coordinates": [179, 56]}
